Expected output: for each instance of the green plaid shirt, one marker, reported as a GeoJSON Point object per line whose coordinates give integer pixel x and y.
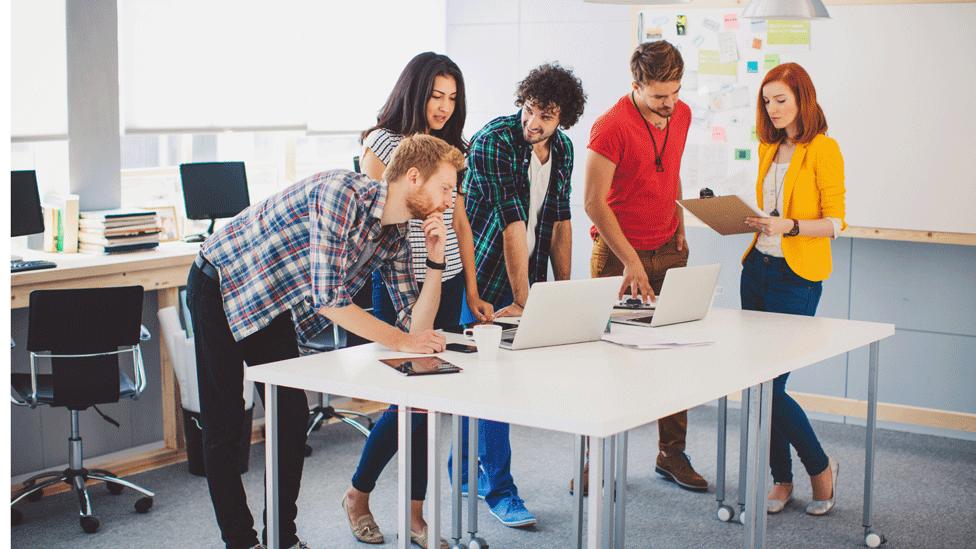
{"type": "Point", "coordinates": [496, 188]}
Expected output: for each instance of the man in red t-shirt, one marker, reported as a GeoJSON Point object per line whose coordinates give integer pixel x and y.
{"type": "Point", "coordinates": [632, 183]}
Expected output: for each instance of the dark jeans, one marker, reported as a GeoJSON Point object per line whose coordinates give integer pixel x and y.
{"type": "Point", "coordinates": [768, 284]}
{"type": "Point", "coordinates": [494, 444]}
{"type": "Point", "coordinates": [381, 445]}
{"type": "Point", "coordinates": [220, 376]}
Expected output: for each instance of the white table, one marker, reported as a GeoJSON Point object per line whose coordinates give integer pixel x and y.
{"type": "Point", "coordinates": [622, 388]}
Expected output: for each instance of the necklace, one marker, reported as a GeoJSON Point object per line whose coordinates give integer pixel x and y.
{"type": "Point", "coordinates": [777, 187]}
{"type": "Point", "coordinates": [658, 156]}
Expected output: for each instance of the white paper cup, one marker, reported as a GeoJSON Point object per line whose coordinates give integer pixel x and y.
{"type": "Point", "coordinates": [487, 337]}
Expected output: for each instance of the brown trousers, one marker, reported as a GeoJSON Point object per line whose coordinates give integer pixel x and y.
{"type": "Point", "coordinates": [672, 430]}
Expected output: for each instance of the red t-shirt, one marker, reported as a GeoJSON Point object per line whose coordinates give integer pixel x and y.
{"type": "Point", "coordinates": [641, 197]}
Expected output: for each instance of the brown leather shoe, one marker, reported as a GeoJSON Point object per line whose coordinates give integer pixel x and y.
{"type": "Point", "coordinates": [677, 468]}
{"type": "Point", "coordinates": [586, 481]}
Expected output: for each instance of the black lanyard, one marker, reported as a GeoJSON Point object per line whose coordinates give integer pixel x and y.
{"type": "Point", "coordinates": [658, 160]}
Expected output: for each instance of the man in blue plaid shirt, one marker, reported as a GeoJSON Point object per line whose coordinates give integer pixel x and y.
{"type": "Point", "coordinates": [288, 266]}
{"type": "Point", "coordinates": [517, 191]}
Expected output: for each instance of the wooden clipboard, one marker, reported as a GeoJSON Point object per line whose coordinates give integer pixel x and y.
{"type": "Point", "coordinates": [725, 214]}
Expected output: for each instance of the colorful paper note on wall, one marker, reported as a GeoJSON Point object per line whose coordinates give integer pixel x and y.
{"type": "Point", "coordinates": [710, 63]}
{"type": "Point", "coordinates": [757, 43]}
{"type": "Point", "coordinates": [711, 25]}
{"type": "Point", "coordinates": [743, 154]}
{"type": "Point", "coordinates": [681, 25]}
{"type": "Point", "coordinates": [793, 33]}
{"type": "Point", "coordinates": [770, 61]}
{"type": "Point", "coordinates": [730, 22]}
{"type": "Point", "coordinates": [753, 136]}
{"type": "Point", "coordinates": [752, 66]}
{"type": "Point", "coordinates": [718, 134]}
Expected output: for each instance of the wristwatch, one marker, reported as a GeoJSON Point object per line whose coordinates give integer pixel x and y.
{"type": "Point", "coordinates": [795, 230]}
{"type": "Point", "coordinates": [431, 264]}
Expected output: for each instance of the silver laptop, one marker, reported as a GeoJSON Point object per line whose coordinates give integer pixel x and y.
{"type": "Point", "coordinates": [685, 296]}
{"type": "Point", "coordinates": [563, 312]}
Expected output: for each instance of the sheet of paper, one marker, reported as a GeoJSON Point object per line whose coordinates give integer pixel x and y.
{"type": "Point", "coordinates": [650, 339]}
{"type": "Point", "coordinates": [788, 32]}
{"type": "Point", "coordinates": [711, 24]}
{"type": "Point", "coordinates": [757, 26]}
{"type": "Point", "coordinates": [730, 22]}
{"type": "Point", "coordinates": [757, 43]}
{"type": "Point", "coordinates": [728, 50]}
{"type": "Point", "coordinates": [718, 134]}
{"type": "Point", "coordinates": [771, 61]}
{"type": "Point", "coordinates": [709, 62]}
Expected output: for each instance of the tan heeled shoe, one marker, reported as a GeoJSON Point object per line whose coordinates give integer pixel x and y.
{"type": "Point", "coordinates": [820, 507]}
{"type": "Point", "coordinates": [364, 528]}
{"type": "Point", "coordinates": [420, 538]}
{"type": "Point", "coordinates": [774, 506]}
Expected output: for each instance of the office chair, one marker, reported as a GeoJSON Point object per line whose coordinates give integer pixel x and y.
{"type": "Point", "coordinates": [330, 340]}
{"type": "Point", "coordinates": [82, 332]}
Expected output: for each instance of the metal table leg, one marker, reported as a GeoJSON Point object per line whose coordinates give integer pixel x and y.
{"type": "Point", "coordinates": [473, 541]}
{"type": "Point", "coordinates": [725, 513]}
{"type": "Point", "coordinates": [404, 452]}
{"type": "Point", "coordinates": [760, 416]}
{"type": "Point", "coordinates": [609, 463]}
{"type": "Point", "coordinates": [433, 481]}
{"type": "Point", "coordinates": [871, 537]}
{"type": "Point", "coordinates": [457, 440]}
{"type": "Point", "coordinates": [271, 463]}
{"type": "Point", "coordinates": [594, 518]}
{"type": "Point", "coordinates": [578, 489]}
{"type": "Point", "coordinates": [743, 449]}
{"type": "Point", "coordinates": [620, 492]}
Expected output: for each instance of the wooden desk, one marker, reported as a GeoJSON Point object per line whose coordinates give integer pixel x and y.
{"type": "Point", "coordinates": [162, 270]}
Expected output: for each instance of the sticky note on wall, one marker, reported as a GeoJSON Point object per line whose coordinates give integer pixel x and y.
{"type": "Point", "coordinates": [709, 62]}
{"type": "Point", "coordinates": [752, 66]}
{"type": "Point", "coordinates": [743, 154]}
{"type": "Point", "coordinates": [730, 21]}
{"type": "Point", "coordinates": [770, 61]}
{"type": "Point", "coordinates": [718, 134]}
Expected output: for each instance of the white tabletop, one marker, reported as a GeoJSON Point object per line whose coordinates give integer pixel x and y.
{"type": "Point", "coordinates": [558, 388]}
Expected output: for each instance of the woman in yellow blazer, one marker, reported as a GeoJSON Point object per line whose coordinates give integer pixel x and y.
{"type": "Point", "coordinates": [801, 187]}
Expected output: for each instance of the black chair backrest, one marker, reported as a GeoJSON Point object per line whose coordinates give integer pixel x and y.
{"type": "Point", "coordinates": [84, 321]}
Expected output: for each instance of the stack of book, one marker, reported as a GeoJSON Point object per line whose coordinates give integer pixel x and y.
{"type": "Point", "coordinates": [115, 231]}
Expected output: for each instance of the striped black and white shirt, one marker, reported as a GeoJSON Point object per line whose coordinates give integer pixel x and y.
{"type": "Point", "coordinates": [383, 142]}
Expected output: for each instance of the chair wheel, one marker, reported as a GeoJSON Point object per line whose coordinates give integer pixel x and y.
{"type": "Point", "coordinates": [308, 450]}
{"type": "Point", "coordinates": [143, 505]}
{"type": "Point", "coordinates": [874, 539]}
{"type": "Point", "coordinates": [36, 496]}
{"type": "Point", "coordinates": [16, 517]}
{"type": "Point", "coordinates": [89, 524]}
{"type": "Point", "coordinates": [725, 513]}
{"type": "Point", "coordinates": [114, 489]}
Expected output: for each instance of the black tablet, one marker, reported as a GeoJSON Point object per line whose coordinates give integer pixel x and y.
{"type": "Point", "coordinates": [421, 365]}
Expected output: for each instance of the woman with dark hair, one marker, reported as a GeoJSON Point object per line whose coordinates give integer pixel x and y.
{"type": "Point", "coordinates": [801, 187]}
{"type": "Point", "coordinates": [428, 97]}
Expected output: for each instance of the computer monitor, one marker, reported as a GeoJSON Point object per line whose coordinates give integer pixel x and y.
{"type": "Point", "coordinates": [26, 216]}
{"type": "Point", "coordinates": [213, 190]}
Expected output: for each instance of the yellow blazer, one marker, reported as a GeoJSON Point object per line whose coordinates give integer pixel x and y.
{"type": "Point", "coordinates": [813, 189]}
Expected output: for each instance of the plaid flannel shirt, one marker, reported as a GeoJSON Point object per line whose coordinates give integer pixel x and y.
{"type": "Point", "coordinates": [302, 249]}
{"type": "Point", "coordinates": [496, 188]}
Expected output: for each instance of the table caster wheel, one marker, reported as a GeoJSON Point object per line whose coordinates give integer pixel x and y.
{"type": "Point", "coordinates": [725, 513]}
{"type": "Point", "coordinates": [143, 505]}
{"type": "Point", "coordinates": [89, 524]}
{"type": "Point", "coordinates": [114, 489]}
{"type": "Point", "coordinates": [16, 517]}
{"type": "Point", "coordinates": [477, 543]}
{"type": "Point", "coordinates": [308, 450]}
{"type": "Point", "coordinates": [36, 496]}
{"type": "Point", "coordinates": [742, 517]}
{"type": "Point", "coordinates": [874, 539]}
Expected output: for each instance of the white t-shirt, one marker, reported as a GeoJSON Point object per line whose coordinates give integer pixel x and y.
{"type": "Point", "coordinates": [773, 199]}
{"type": "Point", "coordinates": [539, 175]}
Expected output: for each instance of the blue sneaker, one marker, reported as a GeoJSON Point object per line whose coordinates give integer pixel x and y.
{"type": "Point", "coordinates": [511, 512]}
{"type": "Point", "coordinates": [482, 485]}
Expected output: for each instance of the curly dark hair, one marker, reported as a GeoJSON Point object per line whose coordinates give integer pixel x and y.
{"type": "Point", "coordinates": [552, 85]}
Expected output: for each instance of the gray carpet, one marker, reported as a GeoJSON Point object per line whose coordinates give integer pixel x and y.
{"type": "Point", "coordinates": [924, 497]}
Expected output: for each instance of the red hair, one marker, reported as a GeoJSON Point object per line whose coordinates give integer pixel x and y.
{"type": "Point", "coordinates": [810, 119]}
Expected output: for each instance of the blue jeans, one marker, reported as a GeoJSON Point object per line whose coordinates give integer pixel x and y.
{"type": "Point", "coordinates": [494, 446]}
{"type": "Point", "coordinates": [768, 284]}
{"type": "Point", "coordinates": [381, 445]}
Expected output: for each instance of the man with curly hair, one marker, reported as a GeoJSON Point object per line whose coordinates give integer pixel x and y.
{"type": "Point", "coordinates": [632, 182]}
{"type": "Point", "coordinates": [517, 190]}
